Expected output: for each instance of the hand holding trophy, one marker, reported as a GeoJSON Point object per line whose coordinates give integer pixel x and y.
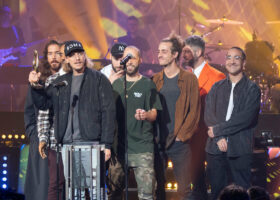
{"type": "Point", "coordinates": [35, 74]}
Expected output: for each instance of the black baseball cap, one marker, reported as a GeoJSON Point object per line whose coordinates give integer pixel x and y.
{"type": "Point", "coordinates": [73, 46]}
{"type": "Point", "coordinates": [118, 49]}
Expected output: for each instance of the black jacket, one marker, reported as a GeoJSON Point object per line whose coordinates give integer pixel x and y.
{"type": "Point", "coordinates": [96, 106]}
{"type": "Point", "coordinates": [37, 173]}
{"type": "Point", "coordinates": [238, 130]}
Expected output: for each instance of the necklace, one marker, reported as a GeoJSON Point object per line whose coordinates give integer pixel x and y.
{"type": "Point", "coordinates": [132, 85]}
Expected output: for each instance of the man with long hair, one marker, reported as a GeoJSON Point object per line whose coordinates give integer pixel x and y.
{"type": "Point", "coordinates": [44, 186]}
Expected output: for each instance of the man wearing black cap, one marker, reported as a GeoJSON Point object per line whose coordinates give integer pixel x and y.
{"type": "Point", "coordinates": [115, 70]}
{"type": "Point", "coordinates": [82, 101]}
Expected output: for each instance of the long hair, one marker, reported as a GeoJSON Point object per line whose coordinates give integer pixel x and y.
{"type": "Point", "coordinates": [44, 66]}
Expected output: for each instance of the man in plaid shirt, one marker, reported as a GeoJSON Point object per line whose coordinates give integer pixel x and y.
{"type": "Point", "coordinates": [53, 59]}
{"type": "Point", "coordinates": [44, 123]}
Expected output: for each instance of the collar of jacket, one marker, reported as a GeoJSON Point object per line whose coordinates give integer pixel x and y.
{"type": "Point", "coordinates": [241, 82]}
{"type": "Point", "coordinates": [180, 78]}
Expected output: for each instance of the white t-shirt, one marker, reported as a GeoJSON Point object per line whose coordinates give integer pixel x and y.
{"type": "Point", "coordinates": [230, 103]}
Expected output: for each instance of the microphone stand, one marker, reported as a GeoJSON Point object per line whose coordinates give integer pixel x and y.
{"type": "Point", "coordinates": [57, 146]}
{"type": "Point", "coordinates": [125, 134]}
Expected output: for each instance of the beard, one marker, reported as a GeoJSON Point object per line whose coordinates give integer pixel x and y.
{"type": "Point", "coordinates": [236, 72]}
{"type": "Point", "coordinates": [134, 71]}
{"type": "Point", "coordinates": [189, 63]}
{"type": "Point", "coordinates": [55, 65]}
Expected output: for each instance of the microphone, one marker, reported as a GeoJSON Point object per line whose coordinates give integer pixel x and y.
{"type": "Point", "coordinates": [75, 99]}
{"type": "Point", "coordinates": [126, 59]}
{"type": "Point", "coordinates": [60, 84]}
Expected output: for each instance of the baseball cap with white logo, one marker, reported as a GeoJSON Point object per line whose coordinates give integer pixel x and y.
{"type": "Point", "coordinates": [73, 46]}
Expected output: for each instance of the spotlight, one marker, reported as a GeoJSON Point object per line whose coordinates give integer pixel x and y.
{"type": "Point", "coordinates": [4, 186]}
{"type": "Point", "coordinates": [175, 186]}
{"type": "Point", "coordinates": [5, 165]}
{"type": "Point", "coordinates": [5, 158]}
{"type": "Point", "coordinates": [22, 137]}
{"type": "Point", "coordinates": [4, 172]}
{"type": "Point", "coordinates": [10, 136]}
{"type": "Point", "coordinates": [4, 179]}
{"type": "Point", "coordinates": [170, 164]}
{"type": "Point", "coordinates": [4, 136]}
{"type": "Point", "coordinates": [169, 186]}
{"type": "Point", "coordinates": [16, 136]}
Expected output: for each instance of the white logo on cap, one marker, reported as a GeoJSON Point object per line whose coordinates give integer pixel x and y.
{"type": "Point", "coordinates": [121, 48]}
{"type": "Point", "coordinates": [70, 46]}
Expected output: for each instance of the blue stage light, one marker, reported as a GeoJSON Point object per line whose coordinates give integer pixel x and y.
{"type": "Point", "coordinates": [4, 179]}
{"type": "Point", "coordinates": [4, 171]}
{"type": "Point", "coordinates": [5, 158]}
{"type": "Point", "coordinates": [4, 186]}
{"type": "Point", "coordinates": [5, 165]}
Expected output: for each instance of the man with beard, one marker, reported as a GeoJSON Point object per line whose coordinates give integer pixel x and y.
{"type": "Point", "coordinates": [179, 117]}
{"type": "Point", "coordinates": [45, 121]}
{"type": "Point", "coordinates": [231, 112]}
{"type": "Point", "coordinates": [193, 56]}
{"type": "Point", "coordinates": [44, 186]}
{"type": "Point", "coordinates": [142, 105]}
{"type": "Point", "coordinates": [114, 70]}
{"type": "Point", "coordinates": [115, 178]}
{"type": "Point", "coordinates": [91, 117]}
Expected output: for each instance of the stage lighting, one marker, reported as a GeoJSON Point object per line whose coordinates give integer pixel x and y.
{"type": "Point", "coordinates": [5, 158]}
{"type": "Point", "coordinates": [169, 186]}
{"type": "Point", "coordinates": [4, 136]}
{"type": "Point", "coordinates": [4, 172]}
{"type": "Point", "coordinates": [10, 136]}
{"type": "Point", "coordinates": [16, 136]}
{"type": "Point", "coordinates": [175, 186]}
{"type": "Point", "coordinates": [22, 137]}
{"type": "Point", "coordinates": [170, 164]}
{"type": "Point", "coordinates": [4, 186]}
{"type": "Point", "coordinates": [4, 179]}
{"type": "Point", "coordinates": [5, 165]}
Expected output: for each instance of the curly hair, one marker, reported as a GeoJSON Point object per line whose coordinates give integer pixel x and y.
{"type": "Point", "coordinates": [177, 43]}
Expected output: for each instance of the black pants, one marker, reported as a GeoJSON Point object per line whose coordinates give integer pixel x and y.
{"type": "Point", "coordinates": [52, 189]}
{"type": "Point", "coordinates": [180, 154]}
{"type": "Point", "coordinates": [222, 170]}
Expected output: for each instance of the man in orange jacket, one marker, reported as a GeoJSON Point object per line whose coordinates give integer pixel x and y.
{"type": "Point", "coordinates": [207, 76]}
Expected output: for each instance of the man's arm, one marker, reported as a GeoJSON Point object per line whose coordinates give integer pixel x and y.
{"type": "Point", "coordinates": [210, 107]}
{"type": "Point", "coordinates": [39, 96]}
{"type": "Point", "coordinates": [108, 111]}
{"type": "Point", "coordinates": [242, 120]}
{"type": "Point", "coordinates": [43, 128]}
{"type": "Point", "coordinates": [192, 119]}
